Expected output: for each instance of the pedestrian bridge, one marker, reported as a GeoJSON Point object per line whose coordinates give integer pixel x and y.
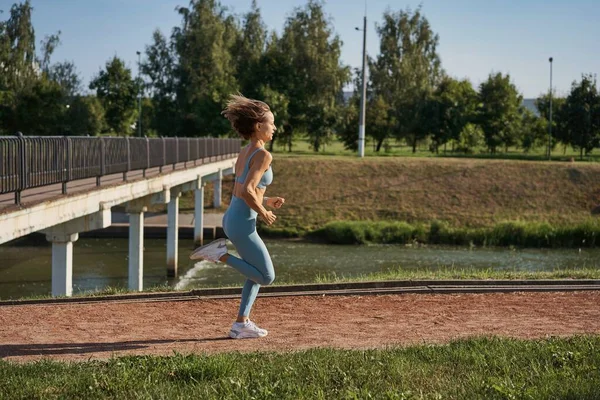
{"type": "Point", "coordinates": [63, 186]}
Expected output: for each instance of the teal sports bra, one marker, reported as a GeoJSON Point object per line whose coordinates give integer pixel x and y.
{"type": "Point", "coordinates": [266, 179]}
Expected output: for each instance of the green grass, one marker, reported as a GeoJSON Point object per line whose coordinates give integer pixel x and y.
{"type": "Point", "coordinates": [450, 272]}
{"type": "Point", "coordinates": [490, 368]}
{"type": "Point", "coordinates": [302, 147]}
{"type": "Point", "coordinates": [460, 193]}
{"type": "Point", "coordinates": [512, 233]}
{"type": "Point", "coordinates": [398, 273]}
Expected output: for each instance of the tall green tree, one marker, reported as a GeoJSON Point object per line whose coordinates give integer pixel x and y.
{"type": "Point", "coordinates": [406, 71]}
{"type": "Point", "coordinates": [66, 75]}
{"type": "Point", "coordinates": [279, 104]}
{"type": "Point", "coordinates": [469, 139]}
{"type": "Point", "coordinates": [161, 68]}
{"type": "Point", "coordinates": [313, 71]}
{"type": "Point", "coordinates": [499, 112]}
{"type": "Point", "coordinates": [249, 51]}
{"type": "Point", "coordinates": [117, 92]}
{"type": "Point", "coordinates": [17, 49]}
{"type": "Point", "coordinates": [542, 104]}
{"type": "Point", "coordinates": [347, 129]}
{"type": "Point", "coordinates": [380, 120]}
{"type": "Point", "coordinates": [40, 110]}
{"type": "Point", "coordinates": [451, 108]}
{"type": "Point", "coordinates": [49, 44]}
{"type": "Point", "coordinates": [30, 101]}
{"type": "Point", "coordinates": [580, 115]}
{"type": "Point", "coordinates": [276, 73]}
{"type": "Point", "coordinates": [84, 116]}
{"type": "Point", "coordinates": [206, 68]}
{"type": "Point", "coordinates": [534, 131]}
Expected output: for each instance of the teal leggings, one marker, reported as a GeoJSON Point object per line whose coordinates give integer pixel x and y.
{"type": "Point", "coordinates": [239, 224]}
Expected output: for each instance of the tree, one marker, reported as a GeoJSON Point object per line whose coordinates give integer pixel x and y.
{"type": "Point", "coordinates": [206, 69]}
{"type": "Point", "coordinates": [65, 74]}
{"type": "Point", "coordinates": [580, 115]}
{"type": "Point", "coordinates": [248, 52]}
{"type": "Point", "coordinates": [347, 129]}
{"type": "Point", "coordinates": [309, 53]}
{"type": "Point", "coordinates": [279, 105]}
{"type": "Point", "coordinates": [85, 116]}
{"type": "Point", "coordinates": [49, 44]}
{"type": "Point", "coordinates": [117, 93]}
{"type": "Point", "coordinates": [161, 69]}
{"type": "Point", "coordinates": [17, 49]}
{"type": "Point", "coordinates": [29, 101]}
{"type": "Point", "coordinates": [470, 138]}
{"type": "Point", "coordinates": [380, 119]}
{"type": "Point", "coordinates": [40, 110]}
{"type": "Point", "coordinates": [451, 108]}
{"type": "Point", "coordinates": [406, 70]}
{"type": "Point", "coordinates": [534, 130]}
{"type": "Point", "coordinates": [499, 113]}
{"type": "Point", "coordinates": [542, 103]}
{"type": "Point", "coordinates": [277, 75]}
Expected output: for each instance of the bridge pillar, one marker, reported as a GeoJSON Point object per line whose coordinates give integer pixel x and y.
{"type": "Point", "coordinates": [135, 275]}
{"type": "Point", "coordinates": [62, 263]}
{"type": "Point", "coordinates": [136, 209]}
{"type": "Point", "coordinates": [199, 213]}
{"type": "Point", "coordinates": [218, 185]}
{"type": "Point", "coordinates": [62, 237]}
{"type": "Point", "coordinates": [172, 233]}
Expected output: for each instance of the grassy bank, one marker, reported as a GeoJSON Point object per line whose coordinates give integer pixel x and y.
{"type": "Point", "coordinates": [399, 273]}
{"type": "Point", "coordinates": [458, 192]}
{"type": "Point", "coordinates": [491, 368]}
{"type": "Point", "coordinates": [522, 234]}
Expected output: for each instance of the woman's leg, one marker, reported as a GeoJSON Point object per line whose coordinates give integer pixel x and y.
{"type": "Point", "coordinates": [255, 264]}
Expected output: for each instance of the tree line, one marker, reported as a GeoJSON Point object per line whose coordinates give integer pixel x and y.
{"type": "Point", "coordinates": [187, 75]}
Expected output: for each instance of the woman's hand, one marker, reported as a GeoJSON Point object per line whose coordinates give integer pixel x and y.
{"type": "Point", "coordinates": [275, 202]}
{"type": "Point", "coordinates": [268, 217]}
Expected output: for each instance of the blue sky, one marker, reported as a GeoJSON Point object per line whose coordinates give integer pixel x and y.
{"type": "Point", "coordinates": [476, 37]}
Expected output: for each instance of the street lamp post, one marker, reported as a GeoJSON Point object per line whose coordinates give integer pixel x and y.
{"type": "Point", "coordinates": [550, 115]}
{"type": "Point", "coordinates": [363, 99]}
{"type": "Point", "coordinates": [139, 96]}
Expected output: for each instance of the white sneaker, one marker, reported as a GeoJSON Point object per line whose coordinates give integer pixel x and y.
{"type": "Point", "coordinates": [246, 330]}
{"type": "Point", "coordinates": [211, 252]}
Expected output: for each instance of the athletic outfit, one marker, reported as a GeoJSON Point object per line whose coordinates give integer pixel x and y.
{"type": "Point", "coordinates": [239, 224]}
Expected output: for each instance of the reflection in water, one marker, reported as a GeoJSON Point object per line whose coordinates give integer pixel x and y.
{"type": "Point", "coordinates": [99, 263]}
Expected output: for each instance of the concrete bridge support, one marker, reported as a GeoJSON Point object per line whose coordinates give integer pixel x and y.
{"type": "Point", "coordinates": [173, 233]}
{"type": "Point", "coordinates": [218, 189]}
{"type": "Point", "coordinates": [199, 213]}
{"type": "Point", "coordinates": [136, 210]}
{"type": "Point", "coordinates": [62, 237]}
{"type": "Point", "coordinates": [62, 263]}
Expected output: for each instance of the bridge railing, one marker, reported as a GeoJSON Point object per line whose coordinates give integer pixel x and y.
{"type": "Point", "coordinates": [31, 161]}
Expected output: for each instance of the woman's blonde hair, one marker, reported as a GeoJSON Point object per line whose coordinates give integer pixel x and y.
{"type": "Point", "coordinates": [244, 114]}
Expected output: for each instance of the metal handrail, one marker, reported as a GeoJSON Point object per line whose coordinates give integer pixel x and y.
{"type": "Point", "coordinates": [32, 161]}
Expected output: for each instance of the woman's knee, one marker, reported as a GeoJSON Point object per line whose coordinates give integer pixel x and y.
{"type": "Point", "coordinates": [267, 272]}
{"type": "Point", "coordinates": [268, 278]}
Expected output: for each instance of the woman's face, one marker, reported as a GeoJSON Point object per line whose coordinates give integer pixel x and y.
{"type": "Point", "coordinates": [265, 130]}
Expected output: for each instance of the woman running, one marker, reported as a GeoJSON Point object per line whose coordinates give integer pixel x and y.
{"type": "Point", "coordinates": [253, 120]}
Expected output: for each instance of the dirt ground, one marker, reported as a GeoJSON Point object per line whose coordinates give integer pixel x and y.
{"type": "Point", "coordinates": [81, 332]}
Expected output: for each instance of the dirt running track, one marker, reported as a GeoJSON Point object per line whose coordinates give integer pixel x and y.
{"type": "Point", "coordinates": [102, 330]}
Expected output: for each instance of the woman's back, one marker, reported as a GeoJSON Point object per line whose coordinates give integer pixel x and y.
{"type": "Point", "coordinates": [247, 158]}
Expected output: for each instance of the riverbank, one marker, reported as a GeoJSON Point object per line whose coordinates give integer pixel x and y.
{"type": "Point", "coordinates": [461, 193]}
{"type": "Point", "coordinates": [520, 234]}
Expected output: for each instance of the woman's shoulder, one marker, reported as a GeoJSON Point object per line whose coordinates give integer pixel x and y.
{"type": "Point", "coordinates": [265, 154]}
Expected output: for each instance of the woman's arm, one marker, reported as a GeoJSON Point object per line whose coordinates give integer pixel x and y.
{"type": "Point", "coordinates": [259, 164]}
{"type": "Point", "coordinates": [274, 202]}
